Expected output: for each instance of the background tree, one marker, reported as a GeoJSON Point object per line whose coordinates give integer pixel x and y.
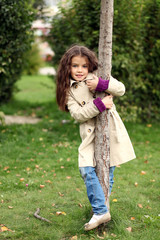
{"type": "Point", "coordinates": [135, 48]}
{"type": "Point", "coordinates": [39, 5]}
{"type": "Point", "coordinates": [15, 38]}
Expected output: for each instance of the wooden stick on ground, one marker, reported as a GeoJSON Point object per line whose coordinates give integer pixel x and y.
{"type": "Point", "coordinates": [36, 215]}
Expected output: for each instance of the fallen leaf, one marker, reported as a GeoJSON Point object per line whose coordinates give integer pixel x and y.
{"type": "Point", "coordinates": [68, 159]}
{"type": "Point", "coordinates": [61, 194]}
{"type": "Point", "coordinates": [100, 237]}
{"type": "Point", "coordinates": [149, 125]}
{"type": "Point", "coordinates": [152, 180]}
{"type": "Point", "coordinates": [146, 161]}
{"type": "Point", "coordinates": [42, 186]}
{"type": "Point", "coordinates": [48, 181]}
{"type": "Point", "coordinates": [21, 179]}
{"type": "Point", "coordinates": [129, 229]}
{"type": "Point", "coordinates": [44, 130]}
{"type": "Point", "coordinates": [115, 200]}
{"type": "Point", "coordinates": [140, 205]}
{"type": "Point", "coordinates": [113, 235]}
{"type": "Point", "coordinates": [60, 213]}
{"type": "Point", "coordinates": [40, 139]}
{"type": "Point", "coordinates": [5, 168]}
{"type": "Point", "coordinates": [53, 204]}
{"type": "Point", "coordinates": [80, 205]}
{"type": "Point", "coordinates": [68, 177]}
{"type": "Point", "coordinates": [37, 166]}
{"type": "Point", "coordinates": [27, 169]}
{"type": "Point", "coordinates": [74, 238]}
{"type": "Point", "coordinates": [62, 167]}
{"type": "Point", "coordinates": [77, 189]}
{"type": "Point", "coordinates": [132, 218]}
{"type": "Point", "coordinates": [135, 184]}
{"type": "Point", "coordinates": [148, 207]}
{"type": "Point", "coordinates": [10, 207]}
{"type": "Point", "coordinates": [143, 172]}
{"type": "Point", "coordinates": [3, 228]}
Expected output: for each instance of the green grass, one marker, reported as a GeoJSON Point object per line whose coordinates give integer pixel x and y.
{"type": "Point", "coordinates": [46, 154]}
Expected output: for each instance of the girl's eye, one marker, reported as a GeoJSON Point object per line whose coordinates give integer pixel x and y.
{"type": "Point", "coordinates": [85, 66]}
{"type": "Point", "coordinates": [74, 65]}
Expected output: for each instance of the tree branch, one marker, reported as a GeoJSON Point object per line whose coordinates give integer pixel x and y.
{"type": "Point", "coordinates": [36, 215]}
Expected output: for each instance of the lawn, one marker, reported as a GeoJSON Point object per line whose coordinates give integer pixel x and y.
{"type": "Point", "coordinates": [38, 169]}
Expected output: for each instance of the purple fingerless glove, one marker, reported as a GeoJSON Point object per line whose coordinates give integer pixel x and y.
{"type": "Point", "coordinates": [99, 104]}
{"type": "Point", "coordinates": [102, 85]}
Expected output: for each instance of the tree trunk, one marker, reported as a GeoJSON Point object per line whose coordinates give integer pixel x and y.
{"type": "Point", "coordinates": [102, 145]}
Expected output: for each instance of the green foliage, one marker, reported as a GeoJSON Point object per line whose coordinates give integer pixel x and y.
{"type": "Point", "coordinates": [150, 94]}
{"type": "Point", "coordinates": [15, 37]}
{"type": "Point", "coordinates": [33, 60]}
{"type": "Point", "coordinates": [136, 48]}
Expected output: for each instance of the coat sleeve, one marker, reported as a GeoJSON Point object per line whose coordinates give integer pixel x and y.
{"type": "Point", "coordinates": [116, 88]}
{"type": "Point", "coordinates": [82, 113]}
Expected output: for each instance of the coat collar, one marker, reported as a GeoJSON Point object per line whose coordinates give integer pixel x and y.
{"type": "Point", "coordinates": [89, 77]}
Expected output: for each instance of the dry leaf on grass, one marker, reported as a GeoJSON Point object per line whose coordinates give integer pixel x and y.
{"type": "Point", "coordinates": [136, 184]}
{"type": "Point", "coordinates": [100, 237]}
{"type": "Point", "coordinates": [42, 186]}
{"type": "Point", "coordinates": [129, 229]}
{"type": "Point", "coordinates": [74, 238]}
{"type": "Point", "coordinates": [115, 200]}
{"type": "Point", "coordinates": [68, 177]}
{"type": "Point", "coordinates": [48, 181]}
{"type": "Point", "coordinates": [140, 205]}
{"type": "Point", "coordinates": [132, 218]}
{"type": "Point", "coordinates": [60, 213]}
{"type": "Point", "coordinates": [10, 207]}
{"type": "Point", "coordinates": [113, 235]}
{"type": "Point", "coordinates": [143, 172]}
{"type": "Point", "coordinates": [80, 205]}
{"type": "Point", "coordinates": [61, 194]}
{"type": "Point", "coordinates": [3, 228]}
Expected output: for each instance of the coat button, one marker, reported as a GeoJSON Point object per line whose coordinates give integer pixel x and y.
{"type": "Point", "coordinates": [89, 130]}
{"type": "Point", "coordinates": [76, 86]}
{"type": "Point", "coordinates": [83, 103]}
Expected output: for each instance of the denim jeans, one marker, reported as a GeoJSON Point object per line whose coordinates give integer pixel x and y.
{"type": "Point", "coordinates": [94, 190]}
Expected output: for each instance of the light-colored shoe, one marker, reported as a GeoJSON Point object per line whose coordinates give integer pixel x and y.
{"type": "Point", "coordinates": [96, 221]}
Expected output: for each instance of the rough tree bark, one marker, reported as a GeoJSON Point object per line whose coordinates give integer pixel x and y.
{"type": "Point", "coordinates": [102, 146]}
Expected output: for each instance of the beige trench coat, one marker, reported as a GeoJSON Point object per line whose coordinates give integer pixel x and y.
{"type": "Point", "coordinates": [82, 109]}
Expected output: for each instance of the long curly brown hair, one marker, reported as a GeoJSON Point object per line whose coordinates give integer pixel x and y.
{"type": "Point", "coordinates": [64, 71]}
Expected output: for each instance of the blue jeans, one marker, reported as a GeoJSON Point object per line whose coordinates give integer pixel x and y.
{"type": "Point", "coordinates": [94, 190]}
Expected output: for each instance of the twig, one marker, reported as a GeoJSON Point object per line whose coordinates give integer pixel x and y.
{"type": "Point", "coordinates": [36, 215]}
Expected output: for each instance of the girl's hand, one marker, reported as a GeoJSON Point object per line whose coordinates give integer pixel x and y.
{"type": "Point", "coordinates": [108, 101]}
{"type": "Point", "coordinates": [92, 84]}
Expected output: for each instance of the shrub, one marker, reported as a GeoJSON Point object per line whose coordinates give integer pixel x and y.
{"type": "Point", "coordinates": [15, 38]}
{"type": "Point", "coordinates": [33, 60]}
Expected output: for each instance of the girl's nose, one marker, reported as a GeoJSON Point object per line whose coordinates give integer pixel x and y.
{"type": "Point", "coordinates": [79, 69]}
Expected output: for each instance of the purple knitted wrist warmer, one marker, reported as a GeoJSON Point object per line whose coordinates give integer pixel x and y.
{"type": "Point", "coordinates": [99, 104]}
{"type": "Point", "coordinates": [102, 85]}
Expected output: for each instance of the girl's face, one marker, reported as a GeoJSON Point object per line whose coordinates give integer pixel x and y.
{"type": "Point", "coordinates": [79, 68]}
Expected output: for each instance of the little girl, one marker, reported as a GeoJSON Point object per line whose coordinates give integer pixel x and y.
{"type": "Point", "coordinates": [76, 88]}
